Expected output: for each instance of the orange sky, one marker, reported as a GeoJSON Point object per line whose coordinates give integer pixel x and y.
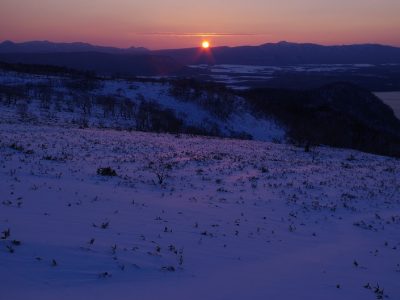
{"type": "Point", "coordinates": [175, 23]}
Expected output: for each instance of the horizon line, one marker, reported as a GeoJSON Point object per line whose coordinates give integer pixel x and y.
{"type": "Point", "coordinates": [198, 35]}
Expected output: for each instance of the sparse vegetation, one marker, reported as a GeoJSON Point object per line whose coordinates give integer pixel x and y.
{"type": "Point", "coordinates": [107, 171]}
{"type": "Point", "coordinates": [172, 205]}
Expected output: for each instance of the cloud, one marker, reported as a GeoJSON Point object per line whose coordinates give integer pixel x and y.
{"type": "Point", "coordinates": [199, 34]}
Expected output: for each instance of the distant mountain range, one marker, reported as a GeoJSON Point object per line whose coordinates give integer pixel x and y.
{"type": "Point", "coordinates": [50, 47]}
{"type": "Point", "coordinates": [285, 54]}
{"type": "Point", "coordinates": [141, 61]}
{"type": "Point", "coordinates": [101, 63]}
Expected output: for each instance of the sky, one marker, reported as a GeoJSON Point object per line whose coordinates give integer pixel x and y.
{"type": "Point", "coordinates": [158, 24]}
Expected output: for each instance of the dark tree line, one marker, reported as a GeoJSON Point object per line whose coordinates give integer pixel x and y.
{"type": "Point", "coordinates": [338, 115]}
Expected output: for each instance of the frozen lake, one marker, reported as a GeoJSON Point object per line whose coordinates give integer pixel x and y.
{"type": "Point", "coordinates": [392, 99]}
{"type": "Point", "coordinates": [241, 76]}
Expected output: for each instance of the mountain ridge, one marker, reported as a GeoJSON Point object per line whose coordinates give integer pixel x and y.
{"type": "Point", "coordinates": [171, 61]}
{"type": "Point", "coordinates": [100, 62]}
{"type": "Point", "coordinates": [285, 53]}
{"type": "Point", "coordinates": [48, 46]}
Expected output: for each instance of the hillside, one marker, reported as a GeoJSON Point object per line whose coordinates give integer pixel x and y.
{"type": "Point", "coordinates": [83, 100]}
{"type": "Point", "coordinates": [180, 217]}
{"type": "Point", "coordinates": [339, 115]}
{"type": "Point", "coordinates": [98, 201]}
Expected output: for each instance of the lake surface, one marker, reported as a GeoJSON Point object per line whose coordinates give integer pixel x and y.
{"type": "Point", "coordinates": [392, 99]}
{"type": "Point", "coordinates": [243, 76]}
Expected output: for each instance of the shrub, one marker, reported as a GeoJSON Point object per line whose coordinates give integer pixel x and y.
{"type": "Point", "coordinates": [106, 172]}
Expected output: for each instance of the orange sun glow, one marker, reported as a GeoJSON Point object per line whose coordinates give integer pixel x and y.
{"type": "Point", "coordinates": [205, 44]}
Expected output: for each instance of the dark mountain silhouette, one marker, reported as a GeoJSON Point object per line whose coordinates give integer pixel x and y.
{"type": "Point", "coordinates": [284, 53]}
{"type": "Point", "coordinates": [101, 63]}
{"type": "Point", "coordinates": [140, 61]}
{"type": "Point", "coordinates": [273, 54]}
{"type": "Point", "coordinates": [50, 47]}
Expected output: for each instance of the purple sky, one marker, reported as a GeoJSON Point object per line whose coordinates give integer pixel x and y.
{"type": "Point", "coordinates": [177, 23]}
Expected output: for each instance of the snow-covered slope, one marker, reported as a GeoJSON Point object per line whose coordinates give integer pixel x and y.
{"type": "Point", "coordinates": [192, 218]}
{"type": "Point", "coordinates": [58, 99]}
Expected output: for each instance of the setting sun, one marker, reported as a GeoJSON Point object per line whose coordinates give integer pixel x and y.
{"type": "Point", "coordinates": [205, 44]}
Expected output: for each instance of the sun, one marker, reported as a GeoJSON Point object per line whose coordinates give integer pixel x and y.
{"type": "Point", "coordinates": [205, 44]}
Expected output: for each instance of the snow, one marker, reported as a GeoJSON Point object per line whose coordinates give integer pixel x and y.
{"type": "Point", "coordinates": [158, 93]}
{"type": "Point", "coordinates": [190, 112]}
{"type": "Point", "coordinates": [187, 217]}
{"type": "Point", "coordinates": [231, 220]}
